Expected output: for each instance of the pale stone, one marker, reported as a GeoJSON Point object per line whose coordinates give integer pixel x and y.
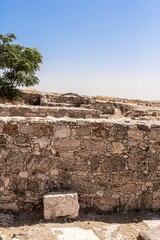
{"type": "Point", "coordinates": [62, 131]}
{"type": "Point", "coordinates": [117, 148]}
{"type": "Point", "coordinates": [2, 188]}
{"type": "Point", "coordinates": [76, 233]}
{"type": "Point", "coordinates": [116, 196]}
{"type": "Point", "coordinates": [100, 193]}
{"type": "Point", "coordinates": [149, 184]}
{"type": "Point", "coordinates": [136, 135]}
{"type": "Point", "coordinates": [67, 155]}
{"type": "Point", "coordinates": [149, 235]}
{"type": "Point", "coordinates": [152, 224]}
{"type": "Point", "coordinates": [36, 153]}
{"type": "Point", "coordinates": [88, 115]}
{"type": "Point", "coordinates": [42, 142]}
{"type": "Point", "coordinates": [58, 204]}
{"type": "Point", "coordinates": [156, 200]}
{"type": "Point", "coordinates": [23, 174]}
{"type": "Point", "coordinates": [54, 172]}
{"type": "Point", "coordinates": [6, 182]}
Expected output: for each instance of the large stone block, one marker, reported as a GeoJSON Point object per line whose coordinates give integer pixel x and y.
{"type": "Point", "coordinates": [57, 204]}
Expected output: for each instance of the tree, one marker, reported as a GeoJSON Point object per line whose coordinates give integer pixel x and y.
{"type": "Point", "coordinates": [18, 65]}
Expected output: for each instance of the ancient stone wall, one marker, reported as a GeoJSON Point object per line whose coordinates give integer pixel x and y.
{"type": "Point", "coordinates": [67, 98]}
{"type": "Point", "coordinates": [31, 99]}
{"type": "Point", "coordinates": [38, 111]}
{"type": "Point", "coordinates": [104, 106]}
{"type": "Point", "coordinates": [112, 164]}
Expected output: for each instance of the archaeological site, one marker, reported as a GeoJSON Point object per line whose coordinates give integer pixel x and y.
{"type": "Point", "coordinates": [96, 154]}
{"type": "Point", "coordinates": [106, 151]}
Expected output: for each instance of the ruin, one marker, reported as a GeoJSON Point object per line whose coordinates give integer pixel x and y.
{"type": "Point", "coordinates": [110, 160]}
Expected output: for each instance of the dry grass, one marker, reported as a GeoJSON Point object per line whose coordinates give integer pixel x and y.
{"type": "Point", "coordinates": [34, 91]}
{"type": "Point", "coordinates": [5, 100]}
{"type": "Point", "coordinates": [30, 91]}
{"type": "Point", "coordinates": [124, 100]}
{"type": "Point", "coordinates": [105, 98]}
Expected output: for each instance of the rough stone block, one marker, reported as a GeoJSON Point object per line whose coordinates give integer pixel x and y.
{"type": "Point", "coordinates": [57, 204]}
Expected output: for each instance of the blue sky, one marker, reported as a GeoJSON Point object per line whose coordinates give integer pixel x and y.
{"type": "Point", "coordinates": [94, 47]}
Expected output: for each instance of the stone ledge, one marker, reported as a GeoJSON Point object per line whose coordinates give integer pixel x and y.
{"type": "Point", "coordinates": [8, 110]}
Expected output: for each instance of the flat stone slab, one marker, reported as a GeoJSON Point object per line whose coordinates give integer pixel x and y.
{"type": "Point", "coordinates": [152, 224]}
{"type": "Point", "coordinates": [60, 204]}
{"type": "Point", "coordinates": [75, 233]}
{"type": "Point", "coordinates": [149, 235]}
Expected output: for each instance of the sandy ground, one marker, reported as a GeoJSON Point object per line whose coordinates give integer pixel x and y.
{"type": "Point", "coordinates": [88, 226]}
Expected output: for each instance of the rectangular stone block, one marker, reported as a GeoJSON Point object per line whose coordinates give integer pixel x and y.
{"type": "Point", "coordinates": [60, 204]}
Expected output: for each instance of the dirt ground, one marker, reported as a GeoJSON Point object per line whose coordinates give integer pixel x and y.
{"type": "Point", "coordinates": [125, 226]}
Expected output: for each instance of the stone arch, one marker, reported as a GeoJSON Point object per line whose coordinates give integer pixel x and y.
{"type": "Point", "coordinates": [69, 94]}
{"type": "Point", "coordinates": [70, 98]}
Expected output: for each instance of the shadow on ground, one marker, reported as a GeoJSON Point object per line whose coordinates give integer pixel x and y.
{"type": "Point", "coordinates": [32, 218]}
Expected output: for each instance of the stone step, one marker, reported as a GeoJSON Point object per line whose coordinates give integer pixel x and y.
{"type": "Point", "coordinates": [8, 110]}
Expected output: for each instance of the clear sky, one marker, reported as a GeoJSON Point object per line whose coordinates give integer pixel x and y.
{"type": "Point", "coordinates": [94, 47]}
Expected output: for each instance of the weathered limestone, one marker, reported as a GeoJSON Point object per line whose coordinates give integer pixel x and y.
{"type": "Point", "coordinates": [149, 235]}
{"type": "Point", "coordinates": [60, 204]}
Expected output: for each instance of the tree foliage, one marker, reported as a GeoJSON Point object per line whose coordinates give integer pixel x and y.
{"type": "Point", "coordinates": [18, 65]}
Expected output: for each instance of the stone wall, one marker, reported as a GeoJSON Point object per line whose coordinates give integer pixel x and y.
{"type": "Point", "coordinates": [31, 99]}
{"type": "Point", "coordinates": [105, 106]}
{"type": "Point", "coordinates": [67, 98]}
{"type": "Point", "coordinates": [38, 111]}
{"type": "Point", "coordinates": [112, 164]}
